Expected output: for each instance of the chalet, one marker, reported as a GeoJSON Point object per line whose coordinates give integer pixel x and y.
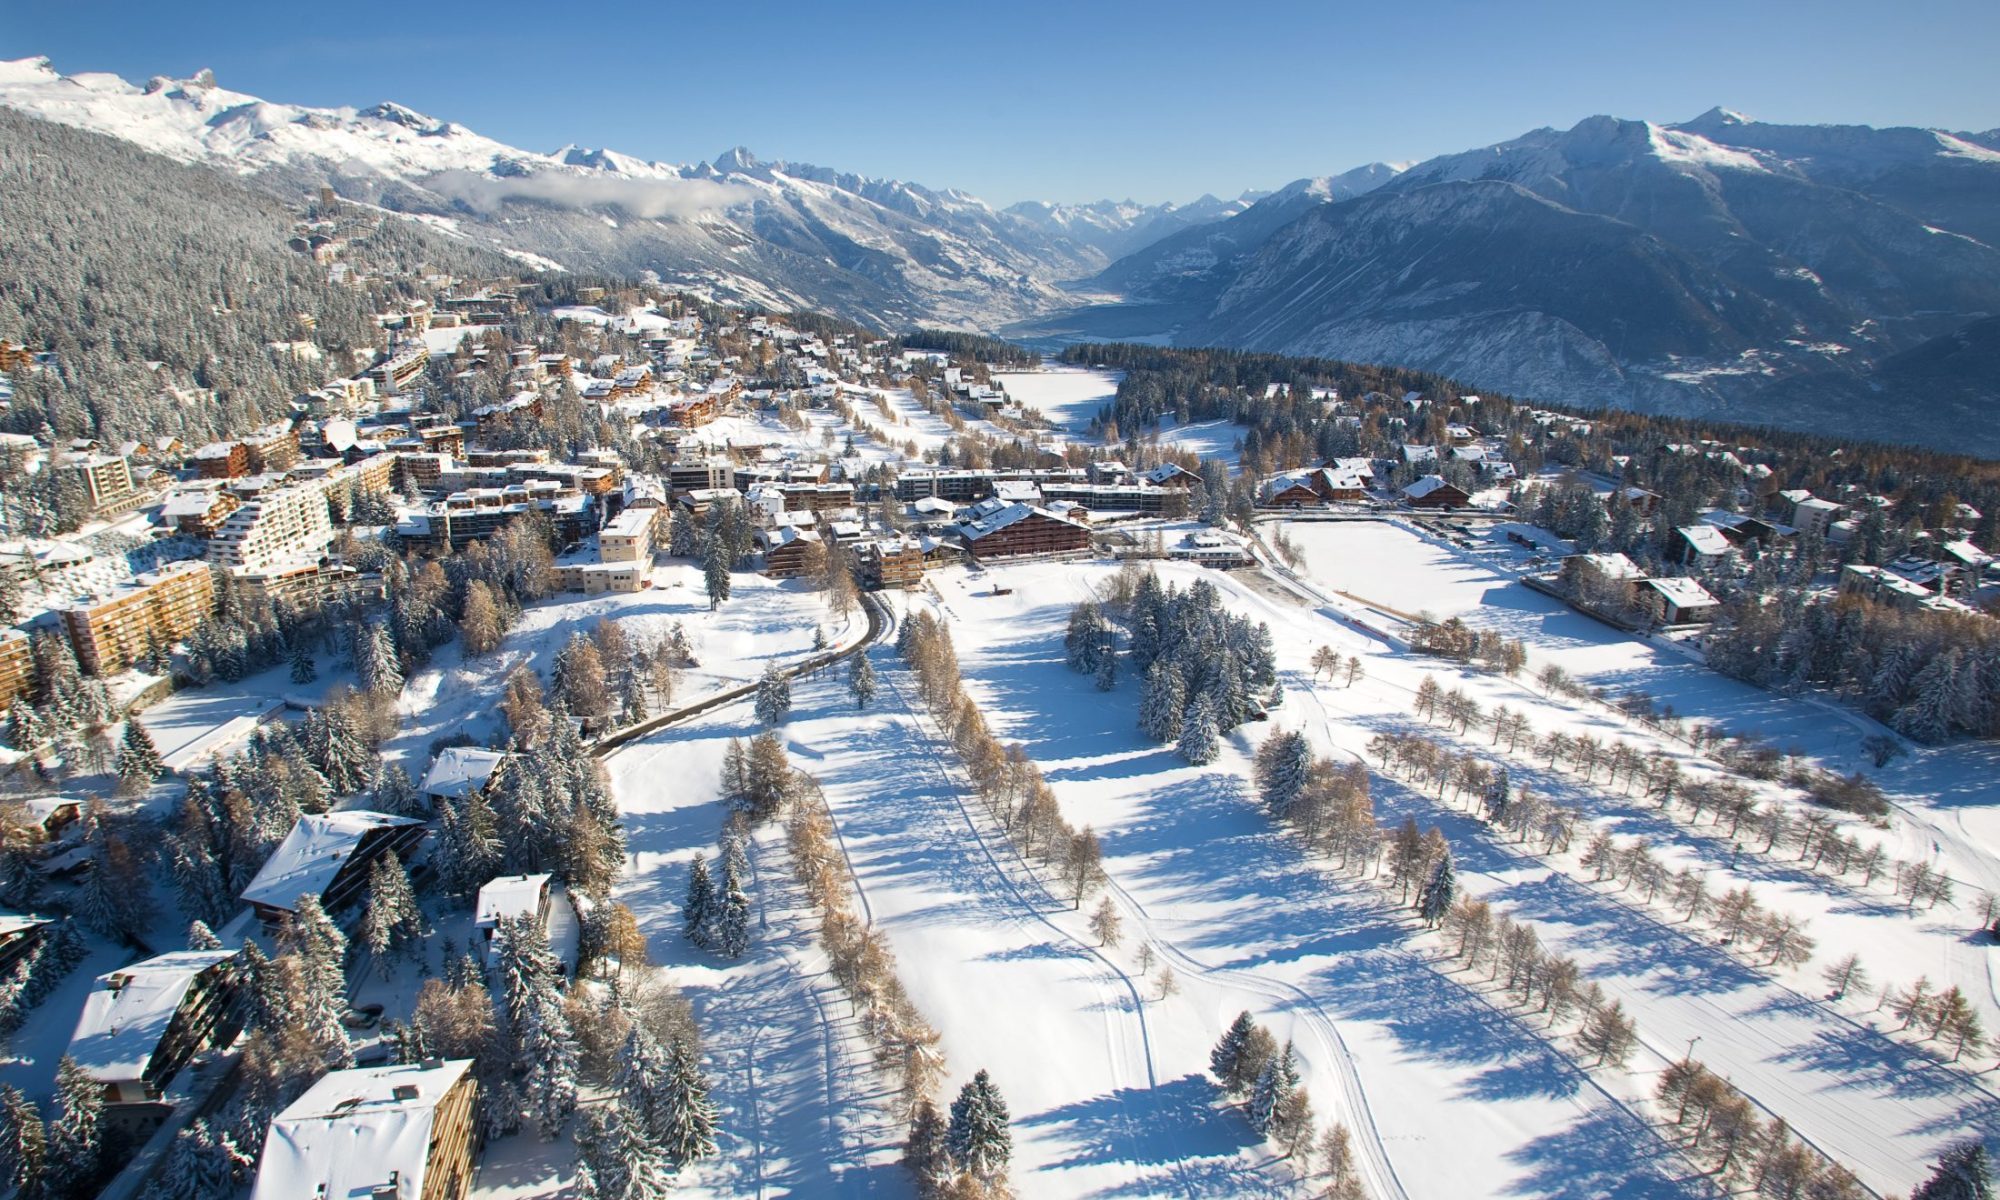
{"type": "Point", "coordinates": [198, 512]}
{"type": "Point", "coordinates": [328, 854]}
{"type": "Point", "coordinates": [20, 936]}
{"type": "Point", "coordinates": [993, 530]}
{"type": "Point", "coordinates": [1170, 475]}
{"type": "Point", "coordinates": [1815, 516]}
{"type": "Point", "coordinates": [1602, 576]}
{"type": "Point", "coordinates": [895, 563]}
{"type": "Point", "coordinates": [1419, 456]}
{"type": "Point", "coordinates": [55, 814]}
{"type": "Point", "coordinates": [404, 1132]}
{"type": "Point", "coordinates": [222, 460]}
{"type": "Point", "coordinates": [789, 551]}
{"type": "Point", "coordinates": [458, 772]}
{"type": "Point", "coordinates": [1677, 601]}
{"type": "Point", "coordinates": [143, 1023]}
{"type": "Point", "coordinates": [510, 896]}
{"type": "Point", "coordinates": [1701, 546]}
{"type": "Point", "coordinates": [1741, 530]}
{"type": "Point", "coordinates": [1433, 492]}
{"type": "Point", "coordinates": [1638, 499]}
{"type": "Point", "coordinates": [1290, 491]}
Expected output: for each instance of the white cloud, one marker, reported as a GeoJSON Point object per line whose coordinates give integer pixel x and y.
{"type": "Point", "coordinates": [648, 198]}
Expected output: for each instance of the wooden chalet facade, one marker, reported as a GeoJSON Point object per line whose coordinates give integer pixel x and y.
{"type": "Point", "coordinates": [1433, 492]}
{"type": "Point", "coordinates": [895, 563]}
{"type": "Point", "coordinates": [995, 530]}
{"type": "Point", "coordinates": [790, 552]}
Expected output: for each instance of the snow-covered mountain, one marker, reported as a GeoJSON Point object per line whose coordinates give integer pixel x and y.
{"type": "Point", "coordinates": [1722, 265]}
{"type": "Point", "coordinates": [1118, 227]}
{"type": "Point", "coordinates": [774, 233]}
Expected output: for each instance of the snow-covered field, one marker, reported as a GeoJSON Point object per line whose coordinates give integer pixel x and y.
{"type": "Point", "coordinates": [764, 620]}
{"type": "Point", "coordinates": [1070, 397]}
{"type": "Point", "coordinates": [1449, 1090]}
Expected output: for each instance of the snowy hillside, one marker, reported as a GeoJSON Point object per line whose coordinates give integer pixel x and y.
{"type": "Point", "coordinates": [780, 234]}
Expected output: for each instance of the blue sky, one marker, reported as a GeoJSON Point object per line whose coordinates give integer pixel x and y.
{"type": "Point", "coordinates": [1068, 101]}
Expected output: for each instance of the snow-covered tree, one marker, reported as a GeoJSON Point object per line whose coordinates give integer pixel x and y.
{"type": "Point", "coordinates": [75, 1133]}
{"type": "Point", "coordinates": [701, 910]}
{"type": "Point", "coordinates": [774, 695]}
{"type": "Point", "coordinates": [1200, 741]}
{"type": "Point", "coordinates": [978, 1138]}
{"type": "Point", "coordinates": [1284, 768]}
{"type": "Point", "coordinates": [1105, 923]}
{"type": "Point", "coordinates": [861, 679]}
{"type": "Point", "coordinates": [1275, 1083]}
{"type": "Point", "coordinates": [536, 1025]}
{"type": "Point", "coordinates": [200, 1164]}
{"type": "Point", "coordinates": [396, 795]}
{"type": "Point", "coordinates": [1238, 1059]}
{"type": "Point", "coordinates": [1962, 1173]}
{"type": "Point", "coordinates": [687, 1131]}
{"type": "Point", "coordinates": [926, 1155]}
{"type": "Point", "coordinates": [1107, 670]}
{"type": "Point", "coordinates": [1438, 892]}
{"type": "Point", "coordinates": [732, 914]}
{"type": "Point", "coordinates": [375, 661]}
{"type": "Point", "coordinates": [715, 571]}
{"type": "Point", "coordinates": [139, 762]}
{"type": "Point", "coordinates": [1162, 702]}
{"type": "Point", "coordinates": [23, 1143]}
{"type": "Point", "coordinates": [201, 937]}
{"type": "Point", "coordinates": [304, 670]}
{"type": "Point", "coordinates": [321, 1000]}
{"type": "Point", "coordinates": [392, 924]}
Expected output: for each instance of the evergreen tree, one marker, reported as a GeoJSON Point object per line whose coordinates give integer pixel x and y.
{"type": "Point", "coordinates": [732, 922]}
{"type": "Point", "coordinates": [1162, 702]}
{"type": "Point", "coordinates": [200, 1164]}
{"type": "Point", "coordinates": [392, 924]}
{"type": "Point", "coordinates": [701, 911]}
{"type": "Point", "coordinates": [341, 754]}
{"type": "Point", "coordinates": [322, 999]}
{"type": "Point", "coordinates": [303, 668]}
{"type": "Point", "coordinates": [1225, 1061]}
{"type": "Point", "coordinates": [538, 1029]}
{"type": "Point", "coordinates": [1438, 892]}
{"type": "Point", "coordinates": [979, 1139]}
{"type": "Point", "coordinates": [774, 695]}
{"type": "Point", "coordinates": [925, 1154]}
{"type": "Point", "coordinates": [375, 660]}
{"type": "Point", "coordinates": [1284, 767]}
{"type": "Point", "coordinates": [75, 1135]}
{"type": "Point", "coordinates": [1962, 1173]}
{"type": "Point", "coordinates": [139, 762]}
{"type": "Point", "coordinates": [642, 1080]}
{"type": "Point", "coordinates": [397, 796]}
{"type": "Point", "coordinates": [23, 1143]}
{"type": "Point", "coordinates": [1275, 1083]}
{"type": "Point", "coordinates": [687, 1133]}
{"type": "Point", "coordinates": [1200, 741]}
{"type": "Point", "coordinates": [715, 571]}
{"type": "Point", "coordinates": [201, 937]}
{"type": "Point", "coordinates": [1107, 669]}
{"type": "Point", "coordinates": [861, 679]}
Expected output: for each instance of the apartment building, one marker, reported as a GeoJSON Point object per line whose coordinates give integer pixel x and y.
{"type": "Point", "coordinates": [106, 480]}
{"type": "Point", "coordinates": [400, 369]}
{"type": "Point", "coordinates": [222, 460]}
{"type": "Point", "coordinates": [285, 526]}
{"type": "Point", "coordinates": [159, 608]}
{"type": "Point", "coordinates": [627, 538]}
{"type": "Point", "coordinates": [17, 666]}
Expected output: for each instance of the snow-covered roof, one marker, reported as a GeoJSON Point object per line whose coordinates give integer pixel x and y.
{"type": "Point", "coordinates": [995, 519]}
{"type": "Point", "coordinates": [509, 896]}
{"type": "Point", "coordinates": [13, 923]}
{"type": "Point", "coordinates": [1611, 566]}
{"type": "Point", "coordinates": [1967, 553]}
{"type": "Point", "coordinates": [1706, 539]}
{"type": "Point", "coordinates": [1425, 486]}
{"type": "Point", "coordinates": [312, 854]}
{"type": "Point", "coordinates": [353, 1131]}
{"type": "Point", "coordinates": [458, 771]}
{"type": "Point", "coordinates": [1684, 593]}
{"type": "Point", "coordinates": [126, 1016]}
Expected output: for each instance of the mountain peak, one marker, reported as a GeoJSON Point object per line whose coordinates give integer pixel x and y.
{"type": "Point", "coordinates": [1714, 119]}
{"type": "Point", "coordinates": [737, 160]}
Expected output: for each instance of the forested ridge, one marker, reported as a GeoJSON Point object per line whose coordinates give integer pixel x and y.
{"type": "Point", "coordinates": [156, 284]}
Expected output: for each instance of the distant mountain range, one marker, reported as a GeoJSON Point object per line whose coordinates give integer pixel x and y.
{"type": "Point", "coordinates": [1796, 275]}
{"type": "Point", "coordinates": [772, 233]}
{"type": "Point", "coordinates": [1791, 274]}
